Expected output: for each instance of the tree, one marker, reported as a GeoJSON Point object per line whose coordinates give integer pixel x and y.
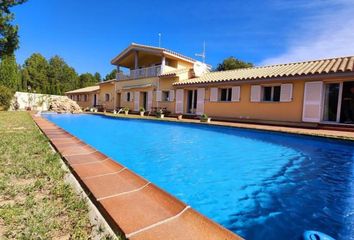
{"type": "Point", "coordinates": [9, 72]}
{"type": "Point", "coordinates": [8, 32]}
{"type": "Point", "coordinates": [231, 63]}
{"type": "Point", "coordinates": [98, 77]}
{"type": "Point", "coordinates": [6, 95]}
{"type": "Point", "coordinates": [87, 79]}
{"type": "Point", "coordinates": [61, 76]}
{"type": "Point", "coordinates": [6, 4]}
{"type": "Point", "coordinates": [36, 68]}
{"type": "Point", "coordinates": [111, 75]}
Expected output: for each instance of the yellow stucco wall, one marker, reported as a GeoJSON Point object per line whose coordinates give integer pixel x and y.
{"type": "Point", "coordinates": [106, 88]}
{"type": "Point", "coordinates": [245, 109]}
{"type": "Point", "coordinates": [83, 104]}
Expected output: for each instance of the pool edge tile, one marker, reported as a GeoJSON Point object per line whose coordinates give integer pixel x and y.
{"type": "Point", "coordinates": [158, 198]}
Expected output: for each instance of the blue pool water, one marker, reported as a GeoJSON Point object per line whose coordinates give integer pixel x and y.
{"type": "Point", "coordinates": [261, 185]}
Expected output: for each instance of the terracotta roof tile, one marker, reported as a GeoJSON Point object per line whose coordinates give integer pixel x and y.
{"type": "Point", "coordinates": [323, 66]}
{"type": "Point", "coordinates": [85, 89]}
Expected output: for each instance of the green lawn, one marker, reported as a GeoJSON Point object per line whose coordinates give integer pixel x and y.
{"type": "Point", "coordinates": [35, 202]}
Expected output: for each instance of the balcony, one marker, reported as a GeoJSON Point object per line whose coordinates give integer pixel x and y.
{"type": "Point", "coordinates": [140, 73]}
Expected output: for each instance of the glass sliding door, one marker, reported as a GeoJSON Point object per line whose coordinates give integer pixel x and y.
{"type": "Point", "coordinates": [192, 101]}
{"type": "Point", "coordinates": [347, 104]}
{"type": "Point", "coordinates": [331, 98]}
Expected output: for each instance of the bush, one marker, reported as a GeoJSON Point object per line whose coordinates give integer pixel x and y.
{"type": "Point", "coordinates": [204, 118]}
{"type": "Point", "coordinates": [6, 96]}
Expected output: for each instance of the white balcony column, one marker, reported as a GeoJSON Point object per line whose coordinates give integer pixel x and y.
{"type": "Point", "coordinates": [118, 71]}
{"type": "Point", "coordinates": [163, 63]}
{"type": "Point", "coordinates": [136, 57]}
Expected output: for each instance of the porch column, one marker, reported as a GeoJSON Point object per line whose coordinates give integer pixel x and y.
{"type": "Point", "coordinates": [163, 63]}
{"type": "Point", "coordinates": [136, 56]}
{"type": "Point", "coordinates": [118, 71]}
{"type": "Point", "coordinates": [115, 96]}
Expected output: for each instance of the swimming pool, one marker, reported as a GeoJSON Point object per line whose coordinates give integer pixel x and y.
{"type": "Point", "coordinates": [261, 185]}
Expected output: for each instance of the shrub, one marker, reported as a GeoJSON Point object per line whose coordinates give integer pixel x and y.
{"type": "Point", "coordinates": [204, 118]}
{"type": "Point", "coordinates": [6, 96]}
{"type": "Point", "coordinates": [142, 109]}
{"type": "Point", "coordinates": [125, 109]}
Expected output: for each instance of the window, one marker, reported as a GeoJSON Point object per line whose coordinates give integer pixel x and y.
{"type": "Point", "coordinates": [225, 94]}
{"type": "Point", "coordinates": [85, 97]}
{"type": "Point", "coordinates": [128, 96]}
{"type": "Point", "coordinates": [165, 96]}
{"type": "Point", "coordinates": [106, 97]}
{"type": "Point", "coordinates": [271, 94]}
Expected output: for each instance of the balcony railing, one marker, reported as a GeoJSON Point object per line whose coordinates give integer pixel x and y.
{"type": "Point", "coordinates": [141, 73]}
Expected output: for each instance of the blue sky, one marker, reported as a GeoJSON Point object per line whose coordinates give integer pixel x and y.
{"type": "Point", "coordinates": [89, 33]}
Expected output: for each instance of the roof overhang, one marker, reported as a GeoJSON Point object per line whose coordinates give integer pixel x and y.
{"type": "Point", "coordinates": [346, 76]}
{"type": "Point", "coordinates": [139, 86]}
{"type": "Point", "coordinates": [129, 52]}
{"type": "Point", "coordinates": [91, 89]}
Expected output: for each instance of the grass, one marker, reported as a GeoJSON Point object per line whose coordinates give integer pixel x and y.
{"type": "Point", "coordinates": [35, 201]}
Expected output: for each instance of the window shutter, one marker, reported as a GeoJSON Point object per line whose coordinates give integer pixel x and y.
{"type": "Point", "coordinates": [213, 94]}
{"type": "Point", "coordinates": [255, 93]}
{"type": "Point", "coordinates": [286, 92]}
{"type": "Point", "coordinates": [171, 95]}
{"type": "Point", "coordinates": [158, 95]}
{"type": "Point", "coordinates": [136, 101]}
{"type": "Point", "coordinates": [312, 102]}
{"type": "Point", "coordinates": [235, 94]}
{"type": "Point", "coordinates": [179, 100]}
{"type": "Point", "coordinates": [149, 100]}
{"type": "Point", "coordinates": [200, 101]}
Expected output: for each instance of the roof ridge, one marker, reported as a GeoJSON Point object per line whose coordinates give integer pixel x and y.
{"type": "Point", "coordinates": [280, 64]}
{"type": "Point", "coordinates": [305, 68]}
{"type": "Point", "coordinates": [308, 61]}
{"type": "Point", "coordinates": [164, 49]}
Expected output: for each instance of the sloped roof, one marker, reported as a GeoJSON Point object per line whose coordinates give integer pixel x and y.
{"type": "Point", "coordinates": [174, 72]}
{"type": "Point", "coordinates": [147, 47]}
{"type": "Point", "coordinates": [85, 89]}
{"type": "Point", "coordinates": [333, 65]}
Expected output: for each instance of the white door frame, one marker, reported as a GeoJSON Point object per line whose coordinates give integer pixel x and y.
{"type": "Point", "coordinates": [339, 103]}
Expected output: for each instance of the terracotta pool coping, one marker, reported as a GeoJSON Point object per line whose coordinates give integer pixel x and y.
{"type": "Point", "coordinates": [323, 133]}
{"type": "Point", "coordinates": [131, 204]}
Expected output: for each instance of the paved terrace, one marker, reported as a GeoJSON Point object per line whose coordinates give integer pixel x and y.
{"type": "Point", "coordinates": [344, 135]}
{"type": "Point", "coordinates": [130, 203]}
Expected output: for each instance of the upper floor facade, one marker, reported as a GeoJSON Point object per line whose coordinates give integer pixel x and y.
{"type": "Point", "coordinates": [141, 61]}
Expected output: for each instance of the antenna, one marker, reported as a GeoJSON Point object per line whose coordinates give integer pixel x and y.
{"type": "Point", "coordinates": [159, 39]}
{"type": "Point", "coordinates": [203, 54]}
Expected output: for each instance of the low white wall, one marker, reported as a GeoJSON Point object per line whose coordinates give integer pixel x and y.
{"type": "Point", "coordinates": [35, 101]}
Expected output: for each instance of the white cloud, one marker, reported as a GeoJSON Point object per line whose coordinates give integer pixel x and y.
{"type": "Point", "coordinates": [329, 33]}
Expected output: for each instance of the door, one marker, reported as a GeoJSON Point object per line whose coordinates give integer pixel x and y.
{"type": "Point", "coordinates": [118, 101]}
{"type": "Point", "coordinates": [200, 101]}
{"type": "Point", "coordinates": [347, 103]}
{"type": "Point", "coordinates": [192, 101]}
{"type": "Point", "coordinates": [312, 102]}
{"type": "Point", "coordinates": [144, 100]}
{"type": "Point", "coordinates": [136, 101]}
{"type": "Point", "coordinates": [179, 100]}
{"type": "Point", "coordinates": [95, 100]}
{"type": "Point", "coordinates": [330, 105]}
